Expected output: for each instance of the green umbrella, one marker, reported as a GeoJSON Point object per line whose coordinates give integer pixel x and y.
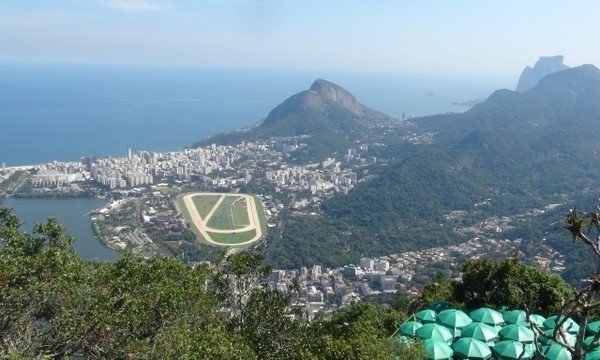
{"type": "Point", "coordinates": [438, 350]}
{"type": "Point", "coordinates": [537, 319]}
{"type": "Point", "coordinates": [594, 355]}
{"type": "Point", "coordinates": [515, 317]}
{"type": "Point", "coordinates": [569, 324]}
{"type": "Point", "coordinates": [441, 306]}
{"type": "Point", "coordinates": [401, 339]}
{"type": "Point", "coordinates": [593, 328]}
{"type": "Point", "coordinates": [544, 340]}
{"type": "Point", "coordinates": [409, 328]}
{"type": "Point", "coordinates": [469, 348]}
{"type": "Point", "coordinates": [426, 316]}
{"type": "Point", "coordinates": [453, 318]}
{"type": "Point", "coordinates": [567, 338]}
{"type": "Point", "coordinates": [435, 332]}
{"type": "Point", "coordinates": [487, 316]}
{"type": "Point", "coordinates": [589, 340]}
{"type": "Point", "coordinates": [530, 348]}
{"type": "Point", "coordinates": [518, 333]}
{"type": "Point", "coordinates": [509, 350]}
{"type": "Point", "coordinates": [480, 331]}
{"type": "Point", "coordinates": [556, 352]}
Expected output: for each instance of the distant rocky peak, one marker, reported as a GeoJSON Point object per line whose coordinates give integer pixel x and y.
{"type": "Point", "coordinates": [330, 92]}
{"type": "Point", "coordinates": [544, 66]}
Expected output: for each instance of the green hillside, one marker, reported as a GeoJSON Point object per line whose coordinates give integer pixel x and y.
{"type": "Point", "coordinates": [521, 150]}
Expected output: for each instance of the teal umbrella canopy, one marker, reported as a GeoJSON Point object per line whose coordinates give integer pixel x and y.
{"type": "Point", "coordinates": [487, 316]}
{"type": "Point", "coordinates": [480, 331]}
{"type": "Point", "coordinates": [515, 317]}
{"type": "Point", "coordinates": [498, 328]}
{"type": "Point", "coordinates": [453, 318]}
{"type": "Point", "coordinates": [556, 352]}
{"type": "Point", "coordinates": [544, 340]}
{"type": "Point", "coordinates": [469, 348]}
{"type": "Point", "coordinates": [438, 350]}
{"type": "Point", "coordinates": [435, 332]}
{"type": "Point", "coordinates": [589, 340]}
{"type": "Point", "coordinates": [404, 340]}
{"type": "Point", "coordinates": [566, 337]}
{"type": "Point", "coordinates": [594, 355]}
{"type": "Point", "coordinates": [511, 350]}
{"type": "Point", "coordinates": [569, 324]}
{"type": "Point", "coordinates": [537, 319]}
{"type": "Point", "coordinates": [441, 306]}
{"type": "Point", "coordinates": [518, 333]}
{"type": "Point", "coordinates": [530, 348]}
{"type": "Point", "coordinates": [409, 328]}
{"type": "Point", "coordinates": [426, 316]}
{"type": "Point", "coordinates": [593, 328]}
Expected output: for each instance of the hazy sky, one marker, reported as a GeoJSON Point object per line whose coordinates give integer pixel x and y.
{"type": "Point", "coordinates": [422, 36]}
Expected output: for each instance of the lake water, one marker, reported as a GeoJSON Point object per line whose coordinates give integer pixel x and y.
{"type": "Point", "coordinates": [72, 213]}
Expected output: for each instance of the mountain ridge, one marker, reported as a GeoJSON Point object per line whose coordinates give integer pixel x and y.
{"type": "Point", "coordinates": [519, 149]}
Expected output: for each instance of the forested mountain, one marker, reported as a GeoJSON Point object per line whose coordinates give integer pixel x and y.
{"type": "Point", "coordinates": [520, 150]}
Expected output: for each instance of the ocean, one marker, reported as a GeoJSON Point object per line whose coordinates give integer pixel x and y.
{"type": "Point", "coordinates": [64, 112]}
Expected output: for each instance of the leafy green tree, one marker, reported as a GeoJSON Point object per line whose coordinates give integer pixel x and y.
{"type": "Point", "coordinates": [54, 304]}
{"type": "Point", "coordinates": [511, 283]}
{"type": "Point", "coordinates": [440, 288]}
{"type": "Point", "coordinates": [40, 275]}
{"type": "Point", "coordinates": [269, 331]}
{"type": "Point", "coordinates": [237, 276]}
{"type": "Point", "coordinates": [362, 331]}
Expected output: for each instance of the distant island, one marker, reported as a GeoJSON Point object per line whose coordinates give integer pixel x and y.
{"type": "Point", "coordinates": [469, 103]}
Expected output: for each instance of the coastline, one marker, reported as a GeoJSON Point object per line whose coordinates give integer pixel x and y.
{"type": "Point", "coordinates": [21, 167]}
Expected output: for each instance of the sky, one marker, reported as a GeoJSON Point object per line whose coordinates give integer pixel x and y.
{"type": "Point", "coordinates": [458, 37]}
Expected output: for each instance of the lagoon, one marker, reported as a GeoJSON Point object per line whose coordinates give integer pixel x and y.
{"type": "Point", "coordinates": [72, 212]}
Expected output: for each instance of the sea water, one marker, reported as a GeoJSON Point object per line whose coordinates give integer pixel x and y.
{"type": "Point", "coordinates": [65, 112]}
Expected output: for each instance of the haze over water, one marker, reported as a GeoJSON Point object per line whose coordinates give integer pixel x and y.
{"type": "Point", "coordinates": [64, 112]}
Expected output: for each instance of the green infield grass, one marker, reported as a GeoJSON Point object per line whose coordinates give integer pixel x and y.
{"type": "Point", "coordinates": [232, 238]}
{"type": "Point", "coordinates": [223, 217]}
{"type": "Point", "coordinates": [205, 203]}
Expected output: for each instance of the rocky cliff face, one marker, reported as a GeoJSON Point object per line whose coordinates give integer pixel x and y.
{"type": "Point", "coordinates": [544, 66]}
{"type": "Point", "coordinates": [320, 93]}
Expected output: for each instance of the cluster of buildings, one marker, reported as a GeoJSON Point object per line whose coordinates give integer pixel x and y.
{"type": "Point", "coordinates": [322, 290]}
{"type": "Point", "coordinates": [216, 166]}
{"type": "Point", "coordinates": [308, 184]}
{"type": "Point", "coordinates": [146, 168]}
{"type": "Point", "coordinates": [58, 173]}
{"type": "Point", "coordinates": [318, 178]}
